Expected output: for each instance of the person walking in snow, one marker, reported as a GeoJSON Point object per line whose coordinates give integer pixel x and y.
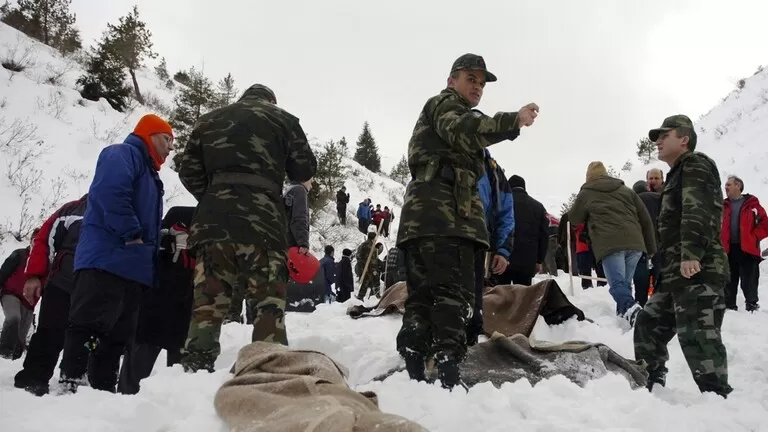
{"type": "Point", "coordinates": [585, 258]}
{"type": "Point", "coordinates": [498, 206]}
{"type": "Point", "coordinates": [550, 259]}
{"type": "Point", "coordinates": [369, 277]}
{"type": "Point", "coordinates": [345, 279]}
{"type": "Point", "coordinates": [238, 234]}
{"type": "Point", "coordinates": [328, 267]}
{"type": "Point", "coordinates": [442, 224]}
{"type": "Point", "coordinates": [17, 309]}
{"type": "Point", "coordinates": [388, 217]}
{"type": "Point", "coordinates": [745, 224]}
{"type": "Point", "coordinates": [531, 236]}
{"type": "Point", "coordinates": [116, 255]}
{"type": "Point", "coordinates": [342, 199]}
{"type": "Point", "coordinates": [50, 273]}
{"type": "Point", "coordinates": [689, 301]}
{"type": "Point", "coordinates": [395, 267]}
{"type": "Point", "coordinates": [643, 273]}
{"type": "Point", "coordinates": [620, 231]}
{"type": "Point", "coordinates": [364, 216]}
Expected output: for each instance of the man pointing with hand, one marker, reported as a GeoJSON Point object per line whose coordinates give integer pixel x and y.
{"type": "Point", "coordinates": [442, 226]}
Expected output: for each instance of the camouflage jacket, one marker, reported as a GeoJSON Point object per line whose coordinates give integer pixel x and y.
{"type": "Point", "coordinates": [361, 256]}
{"type": "Point", "coordinates": [234, 164]}
{"type": "Point", "coordinates": [689, 222]}
{"type": "Point", "coordinates": [445, 157]}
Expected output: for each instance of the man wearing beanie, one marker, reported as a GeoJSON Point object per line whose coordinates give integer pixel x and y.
{"type": "Point", "coordinates": [531, 236]}
{"type": "Point", "coordinates": [234, 165]}
{"type": "Point", "coordinates": [690, 299]}
{"type": "Point", "coordinates": [619, 230]}
{"type": "Point", "coordinates": [115, 255]}
{"type": "Point", "coordinates": [442, 226]}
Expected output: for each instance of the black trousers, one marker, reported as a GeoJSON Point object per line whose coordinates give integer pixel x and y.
{"type": "Point", "coordinates": [475, 324]}
{"type": "Point", "coordinates": [516, 277]}
{"type": "Point", "coordinates": [138, 363]}
{"type": "Point", "coordinates": [102, 320]}
{"type": "Point", "coordinates": [745, 268]}
{"type": "Point", "coordinates": [47, 342]}
{"type": "Point", "coordinates": [342, 212]}
{"type": "Point", "coordinates": [586, 262]}
{"type": "Point", "coordinates": [642, 277]}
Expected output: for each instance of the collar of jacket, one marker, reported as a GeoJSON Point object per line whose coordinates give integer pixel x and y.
{"type": "Point", "coordinates": [136, 141]}
{"type": "Point", "coordinates": [452, 91]}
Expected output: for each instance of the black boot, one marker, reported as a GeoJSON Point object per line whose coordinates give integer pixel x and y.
{"type": "Point", "coordinates": [448, 374]}
{"type": "Point", "coordinates": [752, 307]}
{"type": "Point", "coordinates": [414, 364]}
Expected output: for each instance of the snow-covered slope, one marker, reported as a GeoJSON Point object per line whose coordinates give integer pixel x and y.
{"type": "Point", "coordinates": [171, 400]}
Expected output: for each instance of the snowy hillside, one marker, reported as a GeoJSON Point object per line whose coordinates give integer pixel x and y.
{"type": "Point", "coordinates": [71, 133]}
{"type": "Point", "coordinates": [51, 138]}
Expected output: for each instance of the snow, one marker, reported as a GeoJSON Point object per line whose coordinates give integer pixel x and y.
{"type": "Point", "coordinates": [171, 400]}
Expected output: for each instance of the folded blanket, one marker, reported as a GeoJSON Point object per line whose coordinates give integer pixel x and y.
{"type": "Point", "coordinates": [277, 389]}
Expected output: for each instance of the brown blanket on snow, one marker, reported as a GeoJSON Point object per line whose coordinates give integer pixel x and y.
{"type": "Point", "coordinates": [507, 309]}
{"type": "Point", "coordinates": [277, 389]}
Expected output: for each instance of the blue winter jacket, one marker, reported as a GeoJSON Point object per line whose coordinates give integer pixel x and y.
{"type": "Point", "coordinates": [364, 212]}
{"type": "Point", "coordinates": [125, 202]}
{"type": "Point", "coordinates": [329, 271]}
{"type": "Point", "coordinates": [496, 196]}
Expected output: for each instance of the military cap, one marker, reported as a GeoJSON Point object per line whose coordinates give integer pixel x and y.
{"type": "Point", "coordinates": [472, 62]}
{"type": "Point", "coordinates": [670, 123]}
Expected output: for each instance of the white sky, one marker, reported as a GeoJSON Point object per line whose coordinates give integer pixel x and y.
{"type": "Point", "coordinates": [602, 71]}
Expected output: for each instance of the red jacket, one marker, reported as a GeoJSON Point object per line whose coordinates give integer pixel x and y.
{"type": "Point", "coordinates": [581, 246]}
{"type": "Point", "coordinates": [753, 225]}
{"type": "Point", "coordinates": [12, 277]}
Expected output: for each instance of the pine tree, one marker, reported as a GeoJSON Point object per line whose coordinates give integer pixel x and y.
{"type": "Point", "coordinates": [612, 171]}
{"type": "Point", "coordinates": [192, 101]}
{"type": "Point", "coordinates": [627, 166]}
{"type": "Point", "coordinates": [226, 93]}
{"type": "Point", "coordinates": [367, 152]}
{"type": "Point", "coordinates": [568, 204]}
{"type": "Point", "coordinates": [646, 150]}
{"type": "Point", "coordinates": [48, 21]}
{"type": "Point", "coordinates": [105, 77]}
{"type": "Point", "coordinates": [132, 44]}
{"type": "Point", "coordinates": [344, 146]}
{"type": "Point", "coordinates": [161, 70]}
{"type": "Point", "coordinates": [401, 172]}
{"type": "Point", "coordinates": [331, 171]}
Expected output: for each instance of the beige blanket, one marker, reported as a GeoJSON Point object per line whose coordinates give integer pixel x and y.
{"type": "Point", "coordinates": [277, 389]}
{"type": "Point", "coordinates": [507, 309]}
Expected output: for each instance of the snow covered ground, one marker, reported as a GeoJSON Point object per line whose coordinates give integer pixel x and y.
{"type": "Point", "coordinates": [171, 400]}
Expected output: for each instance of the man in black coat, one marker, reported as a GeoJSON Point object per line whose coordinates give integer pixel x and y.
{"type": "Point", "coordinates": [166, 309]}
{"type": "Point", "coordinates": [342, 199]}
{"type": "Point", "coordinates": [531, 236]}
{"type": "Point", "coordinates": [642, 277]}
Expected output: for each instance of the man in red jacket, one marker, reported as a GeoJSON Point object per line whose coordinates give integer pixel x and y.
{"type": "Point", "coordinates": [744, 225]}
{"type": "Point", "coordinates": [17, 310]}
{"type": "Point", "coordinates": [50, 265]}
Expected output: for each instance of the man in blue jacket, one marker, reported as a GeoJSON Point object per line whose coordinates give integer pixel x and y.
{"type": "Point", "coordinates": [364, 216]}
{"type": "Point", "coordinates": [496, 196]}
{"type": "Point", "coordinates": [116, 255]}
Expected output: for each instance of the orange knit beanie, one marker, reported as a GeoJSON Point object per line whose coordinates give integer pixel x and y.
{"type": "Point", "coordinates": [150, 125]}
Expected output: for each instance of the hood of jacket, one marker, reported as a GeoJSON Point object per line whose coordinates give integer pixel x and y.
{"type": "Point", "coordinates": [603, 184]}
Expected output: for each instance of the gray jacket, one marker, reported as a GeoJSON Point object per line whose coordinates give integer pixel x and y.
{"type": "Point", "coordinates": [297, 211]}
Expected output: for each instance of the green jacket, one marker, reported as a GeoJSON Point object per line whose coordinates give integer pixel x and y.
{"type": "Point", "coordinates": [616, 217]}
{"type": "Point", "coordinates": [690, 222]}
{"type": "Point", "coordinates": [445, 157]}
{"type": "Point", "coordinates": [234, 164]}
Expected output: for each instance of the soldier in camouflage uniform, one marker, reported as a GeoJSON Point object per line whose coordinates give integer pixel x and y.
{"type": "Point", "coordinates": [234, 164]}
{"type": "Point", "coordinates": [689, 300]}
{"type": "Point", "coordinates": [370, 280]}
{"type": "Point", "coordinates": [442, 224]}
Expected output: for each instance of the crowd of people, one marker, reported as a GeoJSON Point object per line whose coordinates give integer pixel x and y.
{"type": "Point", "coordinates": [117, 279]}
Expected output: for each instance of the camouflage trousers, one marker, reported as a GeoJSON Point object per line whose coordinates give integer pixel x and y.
{"type": "Point", "coordinates": [440, 273]}
{"type": "Point", "coordinates": [221, 270]}
{"type": "Point", "coordinates": [695, 314]}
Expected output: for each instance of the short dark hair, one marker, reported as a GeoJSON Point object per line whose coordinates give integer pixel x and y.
{"type": "Point", "coordinates": [329, 250]}
{"type": "Point", "coordinates": [687, 132]}
{"type": "Point", "coordinates": [738, 181]}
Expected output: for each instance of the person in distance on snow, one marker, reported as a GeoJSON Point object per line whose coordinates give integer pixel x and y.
{"type": "Point", "coordinates": [442, 226]}
{"type": "Point", "coordinates": [116, 254]}
{"type": "Point", "coordinates": [689, 301]}
{"type": "Point", "coordinates": [234, 165]}
{"type": "Point", "coordinates": [531, 236]}
{"type": "Point", "coordinates": [50, 272]}
{"type": "Point", "coordinates": [17, 309]}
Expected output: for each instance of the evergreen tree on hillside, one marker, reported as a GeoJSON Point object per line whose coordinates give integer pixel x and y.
{"type": "Point", "coordinates": [646, 150]}
{"type": "Point", "coordinates": [48, 21]}
{"type": "Point", "coordinates": [161, 70]}
{"type": "Point", "coordinates": [344, 146]}
{"type": "Point", "coordinates": [105, 77]}
{"type": "Point", "coordinates": [132, 44]}
{"type": "Point", "coordinates": [367, 152]}
{"type": "Point", "coordinates": [226, 93]}
{"type": "Point", "coordinates": [400, 172]}
{"type": "Point", "coordinates": [568, 204]}
{"type": "Point", "coordinates": [192, 101]}
{"type": "Point", "coordinates": [331, 171]}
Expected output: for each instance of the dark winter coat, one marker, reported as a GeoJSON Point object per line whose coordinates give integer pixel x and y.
{"type": "Point", "coordinates": [165, 311]}
{"type": "Point", "coordinates": [531, 235]}
{"type": "Point", "coordinates": [753, 225]}
{"type": "Point", "coordinates": [52, 257]}
{"type": "Point", "coordinates": [615, 216]}
{"type": "Point", "coordinates": [652, 201]}
{"type": "Point", "coordinates": [125, 202]}
{"type": "Point", "coordinates": [12, 277]}
{"type": "Point", "coordinates": [297, 210]}
{"type": "Point", "coordinates": [342, 199]}
{"type": "Point", "coordinates": [345, 279]}
{"type": "Point", "coordinates": [328, 267]}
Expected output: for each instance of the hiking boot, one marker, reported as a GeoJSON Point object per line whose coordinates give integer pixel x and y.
{"type": "Point", "coordinates": [22, 380]}
{"type": "Point", "coordinates": [752, 307]}
{"type": "Point", "coordinates": [414, 364]}
{"type": "Point", "coordinates": [656, 380]}
{"type": "Point", "coordinates": [448, 374]}
{"type": "Point", "coordinates": [631, 314]}
{"type": "Point", "coordinates": [733, 308]}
